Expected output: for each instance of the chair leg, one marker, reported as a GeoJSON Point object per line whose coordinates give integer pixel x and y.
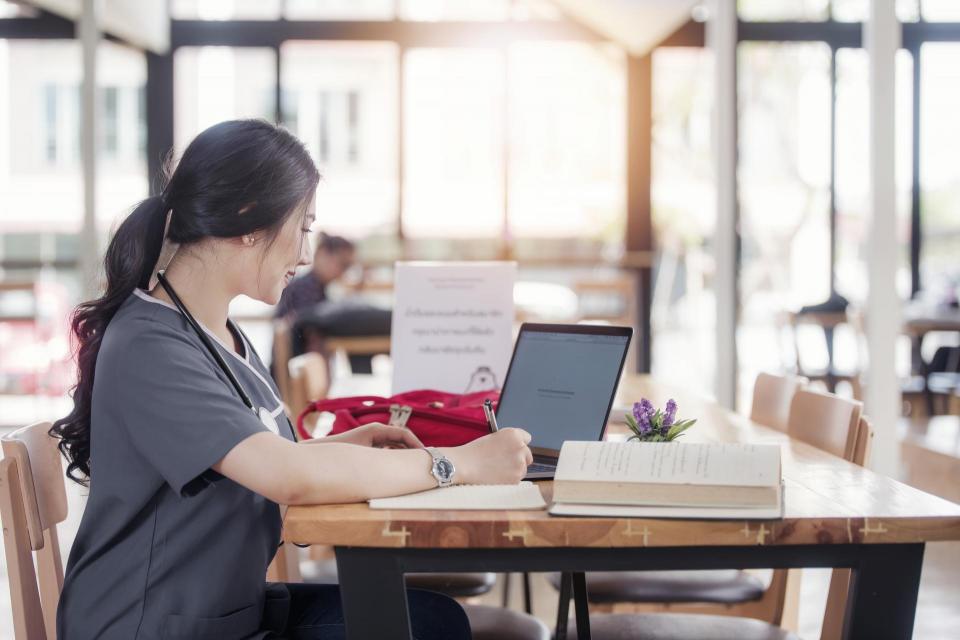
{"type": "Point", "coordinates": [563, 606]}
{"type": "Point", "coordinates": [581, 605]}
{"type": "Point", "coordinates": [506, 590]}
{"type": "Point", "coordinates": [527, 600]}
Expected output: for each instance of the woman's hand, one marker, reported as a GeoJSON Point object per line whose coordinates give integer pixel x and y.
{"type": "Point", "coordinates": [498, 458]}
{"type": "Point", "coordinates": [378, 435]}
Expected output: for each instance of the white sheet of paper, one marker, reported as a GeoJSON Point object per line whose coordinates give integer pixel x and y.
{"type": "Point", "coordinates": [721, 463]}
{"type": "Point", "coordinates": [452, 325]}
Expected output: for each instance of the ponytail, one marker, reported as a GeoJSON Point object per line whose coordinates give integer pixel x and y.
{"type": "Point", "coordinates": [129, 261]}
{"type": "Point", "coordinates": [248, 166]}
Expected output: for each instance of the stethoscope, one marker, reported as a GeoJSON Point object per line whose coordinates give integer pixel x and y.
{"type": "Point", "coordinates": [261, 412]}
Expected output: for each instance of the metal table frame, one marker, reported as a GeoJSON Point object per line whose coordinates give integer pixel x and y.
{"type": "Point", "coordinates": [882, 601]}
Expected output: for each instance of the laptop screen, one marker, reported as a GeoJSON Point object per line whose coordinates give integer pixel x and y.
{"type": "Point", "coordinates": [561, 384]}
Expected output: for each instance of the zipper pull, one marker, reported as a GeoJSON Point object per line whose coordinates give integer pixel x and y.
{"type": "Point", "coordinates": [399, 414]}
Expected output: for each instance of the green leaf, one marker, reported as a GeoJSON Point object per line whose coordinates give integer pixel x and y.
{"type": "Point", "coordinates": [632, 424]}
{"type": "Point", "coordinates": [679, 427]}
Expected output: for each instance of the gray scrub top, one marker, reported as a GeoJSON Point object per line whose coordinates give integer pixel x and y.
{"type": "Point", "coordinates": [167, 547]}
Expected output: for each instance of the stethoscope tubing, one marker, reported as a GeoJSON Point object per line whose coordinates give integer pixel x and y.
{"type": "Point", "coordinates": [162, 279]}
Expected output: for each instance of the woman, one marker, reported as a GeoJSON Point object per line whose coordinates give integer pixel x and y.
{"type": "Point", "coordinates": [178, 429]}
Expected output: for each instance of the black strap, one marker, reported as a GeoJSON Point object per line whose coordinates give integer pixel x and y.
{"type": "Point", "coordinates": [162, 278]}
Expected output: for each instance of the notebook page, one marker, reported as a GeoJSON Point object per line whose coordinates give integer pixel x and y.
{"type": "Point", "coordinates": [525, 496]}
{"type": "Point", "coordinates": [745, 465]}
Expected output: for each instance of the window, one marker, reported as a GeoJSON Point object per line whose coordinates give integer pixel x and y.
{"type": "Point", "coordinates": [41, 188]}
{"type": "Point", "coordinates": [213, 84]}
{"type": "Point", "coordinates": [50, 98]}
{"type": "Point", "coordinates": [339, 9]}
{"type": "Point", "coordinates": [783, 10]}
{"type": "Point", "coordinates": [340, 98]}
{"type": "Point", "coordinates": [684, 217]}
{"type": "Point", "coordinates": [784, 180]}
{"type": "Point", "coordinates": [454, 136]}
{"type": "Point", "coordinates": [856, 10]}
{"type": "Point", "coordinates": [41, 198]}
{"type": "Point", "coordinates": [941, 10]}
{"type": "Point", "coordinates": [567, 141]}
{"type": "Point", "coordinates": [435, 10]}
{"type": "Point", "coordinates": [109, 121]}
{"type": "Point", "coordinates": [225, 9]}
{"type": "Point", "coordinates": [853, 166]}
{"type": "Point", "coordinates": [939, 171]}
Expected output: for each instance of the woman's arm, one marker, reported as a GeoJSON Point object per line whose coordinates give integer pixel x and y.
{"type": "Point", "coordinates": [288, 473]}
{"type": "Point", "coordinates": [373, 434]}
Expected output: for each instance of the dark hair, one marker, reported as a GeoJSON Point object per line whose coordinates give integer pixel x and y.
{"type": "Point", "coordinates": [235, 178]}
{"type": "Point", "coordinates": [333, 244]}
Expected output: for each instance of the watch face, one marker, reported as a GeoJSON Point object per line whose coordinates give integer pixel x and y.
{"type": "Point", "coordinates": [444, 468]}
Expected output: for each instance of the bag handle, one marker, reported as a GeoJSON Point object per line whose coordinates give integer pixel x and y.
{"type": "Point", "coordinates": [332, 405]}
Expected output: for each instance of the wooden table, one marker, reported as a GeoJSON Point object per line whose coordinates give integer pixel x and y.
{"type": "Point", "coordinates": [836, 515]}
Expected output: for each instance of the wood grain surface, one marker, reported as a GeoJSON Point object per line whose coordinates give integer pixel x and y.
{"type": "Point", "coordinates": [827, 501]}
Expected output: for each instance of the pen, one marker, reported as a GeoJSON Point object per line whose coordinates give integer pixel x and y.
{"type": "Point", "coordinates": [491, 416]}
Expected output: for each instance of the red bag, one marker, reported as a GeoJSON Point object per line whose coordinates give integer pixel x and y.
{"type": "Point", "coordinates": [439, 419]}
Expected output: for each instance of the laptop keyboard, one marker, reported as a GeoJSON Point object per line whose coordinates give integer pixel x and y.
{"type": "Point", "coordinates": [536, 467]}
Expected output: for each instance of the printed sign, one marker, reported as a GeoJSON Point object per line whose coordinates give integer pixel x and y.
{"type": "Point", "coordinates": [452, 325]}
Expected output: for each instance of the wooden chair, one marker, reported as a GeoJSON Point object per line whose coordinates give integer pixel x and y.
{"type": "Point", "coordinates": [33, 501]}
{"type": "Point", "coordinates": [309, 380]}
{"type": "Point", "coordinates": [772, 395]}
{"type": "Point", "coordinates": [828, 322]}
{"type": "Point", "coordinates": [836, 606]}
{"type": "Point", "coordinates": [826, 421]}
{"type": "Point", "coordinates": [622, 289]}
{"type": "Point", "coordinates": [282, 352]}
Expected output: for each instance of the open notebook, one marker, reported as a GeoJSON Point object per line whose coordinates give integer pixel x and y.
{"type": "Point", "coordinates": [525, 495]}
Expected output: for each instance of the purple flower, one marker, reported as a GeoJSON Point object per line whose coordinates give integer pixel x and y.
{"type": "Point", "coordinates": [671, 413]}
{"type": "Point", "coordinates": [643, 411]}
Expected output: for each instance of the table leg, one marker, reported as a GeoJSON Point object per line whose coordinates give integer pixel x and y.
{"type": "Point", "coordinates": [563, 607]}
{"type": "Point", "coordinates": [882, 601]}
{"type": "Point", "coordinates": [581, 605]}
{"type": "Point", "coordinates": [372, 582]}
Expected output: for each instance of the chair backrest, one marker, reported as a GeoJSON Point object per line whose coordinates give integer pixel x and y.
{"type": "Point", "coordinates": [621, 288]}
{"type": "Point", "coordinates": [309, 380]}
{"type": "Point", "coordinates": [34, 491]}
{"type": "Point", "coordinates": [28, 619]}
{"type": "Point", "coordinates": [772, 395]}
{"type": "Point", "coordinates": [281, 352]}
{"type": "Point", "coordinates": [825, 421]}
{"type": "Point", "coordinates": [832, 627]}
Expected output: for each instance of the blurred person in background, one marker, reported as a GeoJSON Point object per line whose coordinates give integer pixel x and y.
{"type": "Point", "coordinates": [333, 257]}
{"type": "Point", "coordinates": [313, 316]}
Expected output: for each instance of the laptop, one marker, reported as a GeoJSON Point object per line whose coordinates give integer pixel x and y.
{"type": "Point", "coordinates": [560, 386]}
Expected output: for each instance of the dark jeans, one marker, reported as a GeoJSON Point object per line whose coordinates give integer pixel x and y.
{"type": "Point", "coordinates": [316, 614]}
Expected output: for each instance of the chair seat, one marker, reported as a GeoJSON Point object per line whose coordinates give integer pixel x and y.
{"type": "Point", "coordinates": [679, 626]}
{"type": "Point", "coordinates": [455, 585]}
{"type": "Point", "coordinates": [719, 586]}
{"type": "Point", "coordinates": [497, 623]}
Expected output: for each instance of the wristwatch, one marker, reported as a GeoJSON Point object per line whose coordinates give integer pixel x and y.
{"type": "Point", "coordinates": [442, 468]}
